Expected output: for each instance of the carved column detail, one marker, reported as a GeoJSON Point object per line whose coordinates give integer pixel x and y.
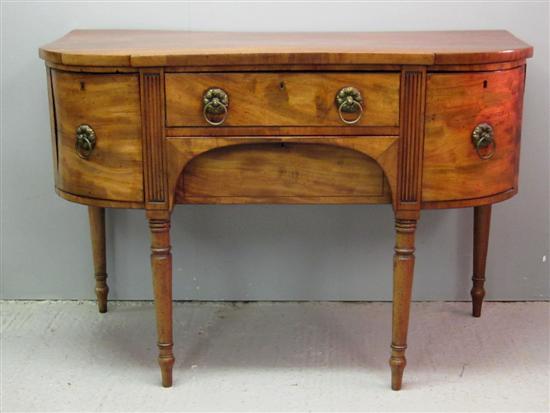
{"type": "Point", "coordinates": [411, 140]}
{"type": "Point", "coordinates": [407, 202]}
{"type": "Point", "coordinates": [152, 91]}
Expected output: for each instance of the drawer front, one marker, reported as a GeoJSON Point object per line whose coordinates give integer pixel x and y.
{"type": "Point", "coordinates": [110, 105]}
{"type": "Point", "coordinates": [280, 173]}
{"type": "Point", "coordinates": [283, 99]}
{"type": "Point", "coordinates": [455, 105]}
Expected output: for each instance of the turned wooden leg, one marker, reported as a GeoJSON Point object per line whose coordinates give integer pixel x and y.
{"type": "Point", "coordinates": [482, 223]}
{"type": "Point", "coordinates": [403, 268]}
{"type": "Point", "coordinates": [97, 230]}
{"type": "Point", "coordinates": [161, 265]}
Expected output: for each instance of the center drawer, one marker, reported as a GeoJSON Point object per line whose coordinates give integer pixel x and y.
{"type": "Point", "coordinates": [282, 99]}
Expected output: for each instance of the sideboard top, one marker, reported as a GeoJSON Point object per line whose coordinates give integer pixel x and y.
{"type": "Point", "coordinates": [145, 48]}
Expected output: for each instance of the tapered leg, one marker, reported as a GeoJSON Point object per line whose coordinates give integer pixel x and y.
{"type": "Point", "coordinates": [161, 265]}
{"type": "Point", "coordinates": [403, 268]}
{"type": "Point", "coordinates": [482, 223]}
{"type": "Point", "coordinates": [97, 231]}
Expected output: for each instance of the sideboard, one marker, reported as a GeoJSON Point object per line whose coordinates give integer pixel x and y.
{"type": "Point", "coordinates": [152, 119]}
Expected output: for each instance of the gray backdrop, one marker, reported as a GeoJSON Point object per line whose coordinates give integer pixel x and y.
{"type": "Point", "coordinates": [261, 252]}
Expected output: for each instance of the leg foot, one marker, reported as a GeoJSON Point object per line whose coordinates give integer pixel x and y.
{"type": "Point", "coordinates": [482, 221]}
{"type": "Point", "coordinates": [161, 264]}
{"type": "Point", "coordinates": [166, 363]}
{"type": "Point", "coordinates": [398, 362]}
{"type": "Point", "coordinates": [101, 292]}
{"type": "Point", "coordinates": [478, 293]}
{"type": "Point", "coordinates": [97, 231]}
{"type": "Point", "coordinates": [403, 268]}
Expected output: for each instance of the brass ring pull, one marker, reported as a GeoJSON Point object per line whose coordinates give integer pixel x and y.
{"type": "Point", "coordinates": [215, 102]}
{"type": "Point", "coordinates": [349, 100]}
{"type": "Point", "coordinates": [85, 141]}
{"type": "Point", "coordinates": [354, 121]}
{"type": "Point", "coordinates": [483, 137]}
{"type": "Point", "coordinates": [482, 144]}
{"type": "Point", "coordinates": [208, 109]}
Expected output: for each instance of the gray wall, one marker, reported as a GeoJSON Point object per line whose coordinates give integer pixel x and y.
{"type": "Point", "coordinates": [261, 252]}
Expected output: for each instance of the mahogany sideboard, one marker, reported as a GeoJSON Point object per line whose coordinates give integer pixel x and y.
{"type": "Point", "coordinates": [151, 119]}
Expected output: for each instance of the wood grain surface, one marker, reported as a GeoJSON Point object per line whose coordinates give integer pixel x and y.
{"type": "Point", "coordinates": [282, 99]}
{"type": "Point", "coordinates": [456, 103]}
{"type": "Point", "coordinates": [110, 104]}
{"type": "Point", "coordinates": [326, 153]}
{"type": "Point", "coordinates": [141, 48]}
{"type": "Point", "coordinates": [282, 171]}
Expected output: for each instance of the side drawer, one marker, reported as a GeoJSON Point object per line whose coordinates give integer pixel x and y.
{"type": "Point", "coordinates": [110, 104]}
{"type": "Point", "coordinates": [456, 103]}
{"type": "Point", "coordinates": [282, 99]}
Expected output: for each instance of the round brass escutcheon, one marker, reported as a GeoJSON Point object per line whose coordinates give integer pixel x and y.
{"type": "Point", "coordinates": [482, 138]}
{"type": "Point", "coordinates": [349, 100]}
{"type": "Point", "coordinates": [85, 141]}
{"type": "Point", "coordinates": [215, 102]}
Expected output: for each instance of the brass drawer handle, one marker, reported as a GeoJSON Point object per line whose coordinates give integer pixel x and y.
{"type": "Point", "coordinates": [85, 141]}
{"type": "Point", "coordinates": [215, 102]}
{"type": "Point", "coordinates": [348, 100]}
{"type": "Point", "coordinates": [483, 137]}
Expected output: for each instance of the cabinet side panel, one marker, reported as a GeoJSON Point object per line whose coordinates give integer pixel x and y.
{"type": "Point", "coordinates": [53, 127]}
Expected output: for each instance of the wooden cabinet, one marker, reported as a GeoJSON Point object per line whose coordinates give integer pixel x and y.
{"type": "Point", "coordinates": [152, 119]}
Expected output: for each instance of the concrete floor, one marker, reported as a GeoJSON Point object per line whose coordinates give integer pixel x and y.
{"type": "Point", "coordinates": [65, 356]}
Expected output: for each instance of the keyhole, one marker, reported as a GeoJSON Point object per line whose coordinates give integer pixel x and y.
{"type": "Point", "coordinates": [484, 84]}
{"type": "Point", "coordinates": [82, 86]}
{"type": "Point", "coordinates": [282, 85]}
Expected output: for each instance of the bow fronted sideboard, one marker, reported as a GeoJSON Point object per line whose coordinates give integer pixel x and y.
{"type": "Point", "coordinates": [152, 119]}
